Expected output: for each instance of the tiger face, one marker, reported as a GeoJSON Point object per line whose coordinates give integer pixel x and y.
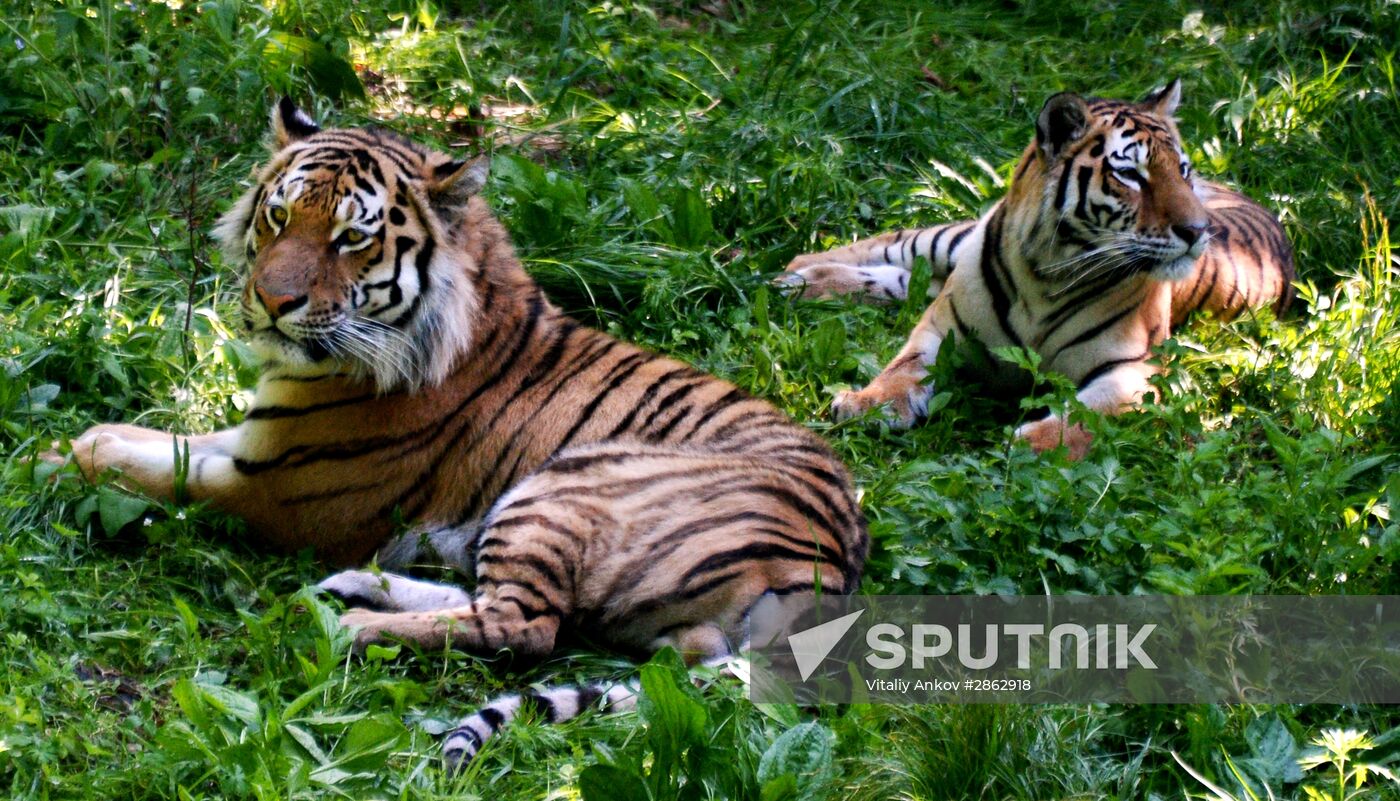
{"type": "Point", "coordinates": [341, 236]}
{"type": "Point", "coordinates": [1121, 186]}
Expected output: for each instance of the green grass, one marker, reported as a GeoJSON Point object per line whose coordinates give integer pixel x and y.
{"type": "Point", "coordinates": [666, 162]}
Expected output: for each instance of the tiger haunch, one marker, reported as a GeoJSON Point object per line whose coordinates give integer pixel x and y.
{"type": "Point", "coordinates": [1104, 242]}
{"type": "Point", "coordinates": [414, 370]}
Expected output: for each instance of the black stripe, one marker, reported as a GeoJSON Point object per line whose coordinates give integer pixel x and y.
{"type": "Point", "coordinates": [1101, 327]}
{"type": "Point", "coordinates": [598, 399]}
{"type": "Point", "coordinates": [702, 588]}
{"type": "Point", "coordinates": [574, 464]}
{"type": "Point", "coordinates": [660, 434]}
{"type": "Point", "coordinates": [616, 489]}
{"type": "Point", "coordinates": [1001, 301]}
{"type": "Point", "coordinates": [1104, 368]}
{"type": "Point", "coordinates": [957, 239]}
{"type": "Point", "coordinates": [582, 362]}
{"type": "Point", "coordinates": [279, 412]}
{"type": "Point", "coordinates": [502, 583]}
{"type": "Point", "coordinates": [758, 551]}
{"type": "Point", "coordinates": [646, 397]}
{"type": "Point", "coordinates": [588, 695]}
{"type": "Point", "coordinates": [492, 717]}
{"type": "Point", "coordinates": [467, 732]}
{"type": "Point", "coordinates": [421, 262]}
{"type": "Point", "coordinates": [937, 237]}
{"type": "Point", "coordinates": [529, 613]}
{"type": "Point", "coordinates": [543, 367]}
{"type": "Point", "coordinates": [680, 535]}
{"type": "Point", "coordinates": [543, 704]}
{"type": "Point", "coordinates": [1062, 188]}
{"type": "Point", "coordinates": [791, 499]}
{"type": "Point", "coordinates": [1080, 204]}
{"type": "Point", "coordinates": [535, 563]}
{"type": "Point", "coordinates": [957, 318]}
{"type": "Point", "coordinates": [538, 521]}
{"type": "Point", "coordinates": [733, 396]}
{"type": "Point", "coordinates": [676, 396]}
{"type": "Point", "coordinates": [1076, 302]}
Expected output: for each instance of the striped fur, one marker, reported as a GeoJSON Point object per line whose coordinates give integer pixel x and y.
{"type": "Point", "coordinates": [1103, 244]}
{"type": "Point", "coordinates": [414, 371]}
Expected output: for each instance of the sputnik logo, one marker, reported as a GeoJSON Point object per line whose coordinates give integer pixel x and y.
{"type": "Point", "coordinates": [811, 646]}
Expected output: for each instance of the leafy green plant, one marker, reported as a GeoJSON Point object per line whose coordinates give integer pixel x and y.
{"type": "Point", "coordinates": [1336, 748]}
{"type": "Point", "coordinates": [1275, 760]}
{"type": "Point", "coordinates": [691, 751]}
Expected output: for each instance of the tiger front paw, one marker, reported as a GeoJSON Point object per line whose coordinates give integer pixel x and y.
{"type": "Point", "coordinates": [369, 627]}
{"type": "Point", "coordinates": [1051, 432]}
{"type": "Point", "coordinates": [115, 446]}
{"type": "Point", "coordinates": [435, 629]}
{"type": "Point", "coordinates": [813, 279]}
{"type": "Point", "coordinates": [901, 406]}
{"type": "Point", "coordinates": [804, 260]}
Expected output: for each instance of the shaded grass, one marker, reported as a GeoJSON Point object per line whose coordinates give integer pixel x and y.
{"type": "Point", "coordinates": [699, 153]}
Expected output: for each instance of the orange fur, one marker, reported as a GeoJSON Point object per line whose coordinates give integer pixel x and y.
{"type": "Point", "coordinates": [415, 371]}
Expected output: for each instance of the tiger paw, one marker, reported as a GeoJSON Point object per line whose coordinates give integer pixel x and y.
{"type": "Point", "coordinates": [122, 447]}
{"type": "Point", "coordinates": [1050, 433]}
{"type": "Point", "coordinates": [359, 588]}
{"type": "Point", "coordinates": [52, 456]}
{"type": "Point", "coordinates": [900, 408]}
{"type": "Point", "coordinates": [805, 260]}
{"type": "Point", "coordinates": [434, 629]}
{"type": "Point", "coordinates": [826, 279]}
{"type": "Point", "coordinates": [369, 626]}
{"type": "Point", "coordinates": [812, 280]}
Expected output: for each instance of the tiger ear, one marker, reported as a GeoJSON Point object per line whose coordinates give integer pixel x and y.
{"type": "Point", "coordinates": [1062, 121]}
{"type": "Point", "coordinates": [452, 183]}
{"type": "Point", "coordinates": [1164, 101]}
{"type": "Point", "coordinates": [290, 123]}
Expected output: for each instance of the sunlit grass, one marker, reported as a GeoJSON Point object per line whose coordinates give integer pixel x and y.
{"type": "Point", "coordinates": [656, 165]}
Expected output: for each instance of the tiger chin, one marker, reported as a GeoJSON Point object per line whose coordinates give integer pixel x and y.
{"type": "Point", "coordinates": [1105, 242]}
{"type": "Point", "coordinates": [413, 370]}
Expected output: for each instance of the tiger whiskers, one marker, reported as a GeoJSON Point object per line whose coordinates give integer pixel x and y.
{"type": "Point", "coordinates": [1116, 258]}
{"type": "Point", "coordinates": [385, 352]}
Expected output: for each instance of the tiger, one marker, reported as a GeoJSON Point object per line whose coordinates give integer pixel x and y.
{"type": "Point", "coordinates": [1104, 243]}
{"type": "Point", "coordinates": [412, 369]}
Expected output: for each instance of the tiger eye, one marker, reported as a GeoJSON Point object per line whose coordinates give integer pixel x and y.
{"type": "Point", "coordinates": [278, 215]}
{"type": "Point", "coordinates": [354, 236]}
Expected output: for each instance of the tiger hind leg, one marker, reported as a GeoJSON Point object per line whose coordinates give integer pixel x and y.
{"type": "Point", "coordinates": [486, 623]}
{"type": "Point", "coordinates": [524, 589]}
{"type": "Point", "coordinates": [639, 546]}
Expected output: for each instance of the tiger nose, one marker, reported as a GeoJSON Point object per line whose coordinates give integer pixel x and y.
{"type": "Point", "coordinates": [278, 305]}
{"type": "Point", "coordinates": [1189, 233]}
